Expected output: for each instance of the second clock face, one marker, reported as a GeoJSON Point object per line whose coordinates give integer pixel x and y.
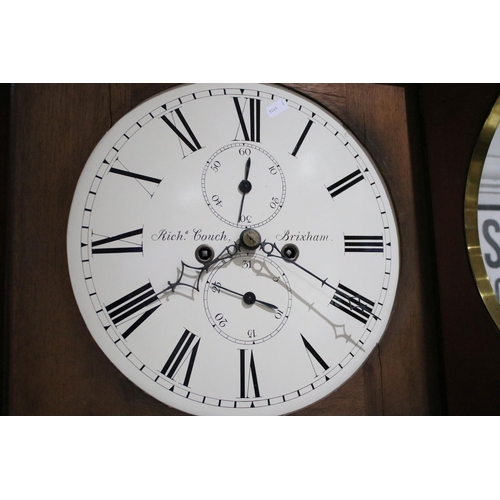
{"type": "Point", "coordinates": [233, 249]}
{"type": "Point", "coordinates": [482, 209]}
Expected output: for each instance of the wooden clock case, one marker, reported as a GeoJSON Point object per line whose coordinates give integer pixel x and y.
{"type": "Point", "coordinates": [52, 366]}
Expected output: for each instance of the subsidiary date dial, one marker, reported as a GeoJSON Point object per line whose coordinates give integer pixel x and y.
{"type": "Point", "coordinates": [243, 185]}
{"type": "Point", "coordinates": [247, 299]}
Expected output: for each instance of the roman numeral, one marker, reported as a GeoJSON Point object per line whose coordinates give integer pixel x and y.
{"type": "Point", "coordinates": [134, 175]}
{"type": "Point", "coordinates": [192, 143]}
{"type": "Point", "coordinates": [352, 303]}
{"type": "Point", "coordinates": [301, 139]}
{"type": "Point", "coordinates": [184, 351]}
{"type": "Point", "coordinates": [144, 181]}
{"type": "Point", "coordinates": [363, 244]}
{"type": "Point", "coordinates": [345, 183]}
{"type": "Point", "coordinates": [140, 304]}
{"type": "Point", "coordinates": [251, 128]}
{"type": "Point", "coordinates": [127, 238]}
{"type": "Point", "coordinates": [315, 359]}
{"type": "Point", "coordinates": [248, 375]}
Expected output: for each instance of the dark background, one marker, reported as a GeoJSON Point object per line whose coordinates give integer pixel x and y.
{"type": "Point", "coordinates": [452, 117]}
{"type": "Point", "coordinates": [444, 121]}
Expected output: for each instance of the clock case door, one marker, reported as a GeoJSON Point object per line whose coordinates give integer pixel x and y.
{"type": "Point", "coordinates": [454, 116]}
{"type": "Point", "coordinates": [54, 366]}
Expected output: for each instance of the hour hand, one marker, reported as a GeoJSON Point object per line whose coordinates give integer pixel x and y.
{"type": "Point", "coordinates": [245, 186]}
{"type": "Point", "coordinates": [248, 297]}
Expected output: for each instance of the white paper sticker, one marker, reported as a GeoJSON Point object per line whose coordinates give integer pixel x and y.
{"type": "Point", "coordinates": [276, 108]}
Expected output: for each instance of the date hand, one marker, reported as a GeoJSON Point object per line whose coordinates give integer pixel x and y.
{"type": "Point", "coordinates": [248, 298]}
{"type": "Point", "coordinates": [245, 186]}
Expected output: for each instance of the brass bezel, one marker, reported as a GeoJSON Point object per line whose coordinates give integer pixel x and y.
{"type": "Point", "coordinates": [471, 212]}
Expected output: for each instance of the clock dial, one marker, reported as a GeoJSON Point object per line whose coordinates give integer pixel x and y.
{"type": "Point", "coordinates": [482, 213]}
{"type": "Point", "coordinates": [247, 298]}
{"type": "Point", "coordinates": [243, 185]}
{"type": "Point", "coordinates": [233, 249]}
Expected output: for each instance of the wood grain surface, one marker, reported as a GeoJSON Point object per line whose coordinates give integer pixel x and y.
{"type": "Point", "coordinates": [56, 368]}
{"type": "Point", "coordinates": [4, 174]}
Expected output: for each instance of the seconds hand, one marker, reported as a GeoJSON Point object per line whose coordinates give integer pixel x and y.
{"type": "Point", "coordinates": [245, 186]}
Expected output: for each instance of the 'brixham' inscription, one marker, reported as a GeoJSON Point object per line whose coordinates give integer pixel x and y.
{"type": "Point", "coordinates": [299, 236]}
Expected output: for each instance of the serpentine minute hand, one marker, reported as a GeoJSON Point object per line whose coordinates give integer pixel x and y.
{"type": "Point", "coordinates": [270, 248]}
{"type": "Point", "coordinates": [351, 299]}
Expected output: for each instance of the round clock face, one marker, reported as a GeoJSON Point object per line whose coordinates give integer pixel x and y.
{"type": "Point", "coordinates": [482, 213]}
{"type": "Point", "coordinates": [233, 249]}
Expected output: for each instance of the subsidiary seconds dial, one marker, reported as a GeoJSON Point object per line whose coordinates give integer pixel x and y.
{"type": "Point", "coordinates": [243, 185]}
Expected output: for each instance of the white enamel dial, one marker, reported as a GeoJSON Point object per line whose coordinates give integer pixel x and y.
{"type": "Point", "coordinates": [233, 249]}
